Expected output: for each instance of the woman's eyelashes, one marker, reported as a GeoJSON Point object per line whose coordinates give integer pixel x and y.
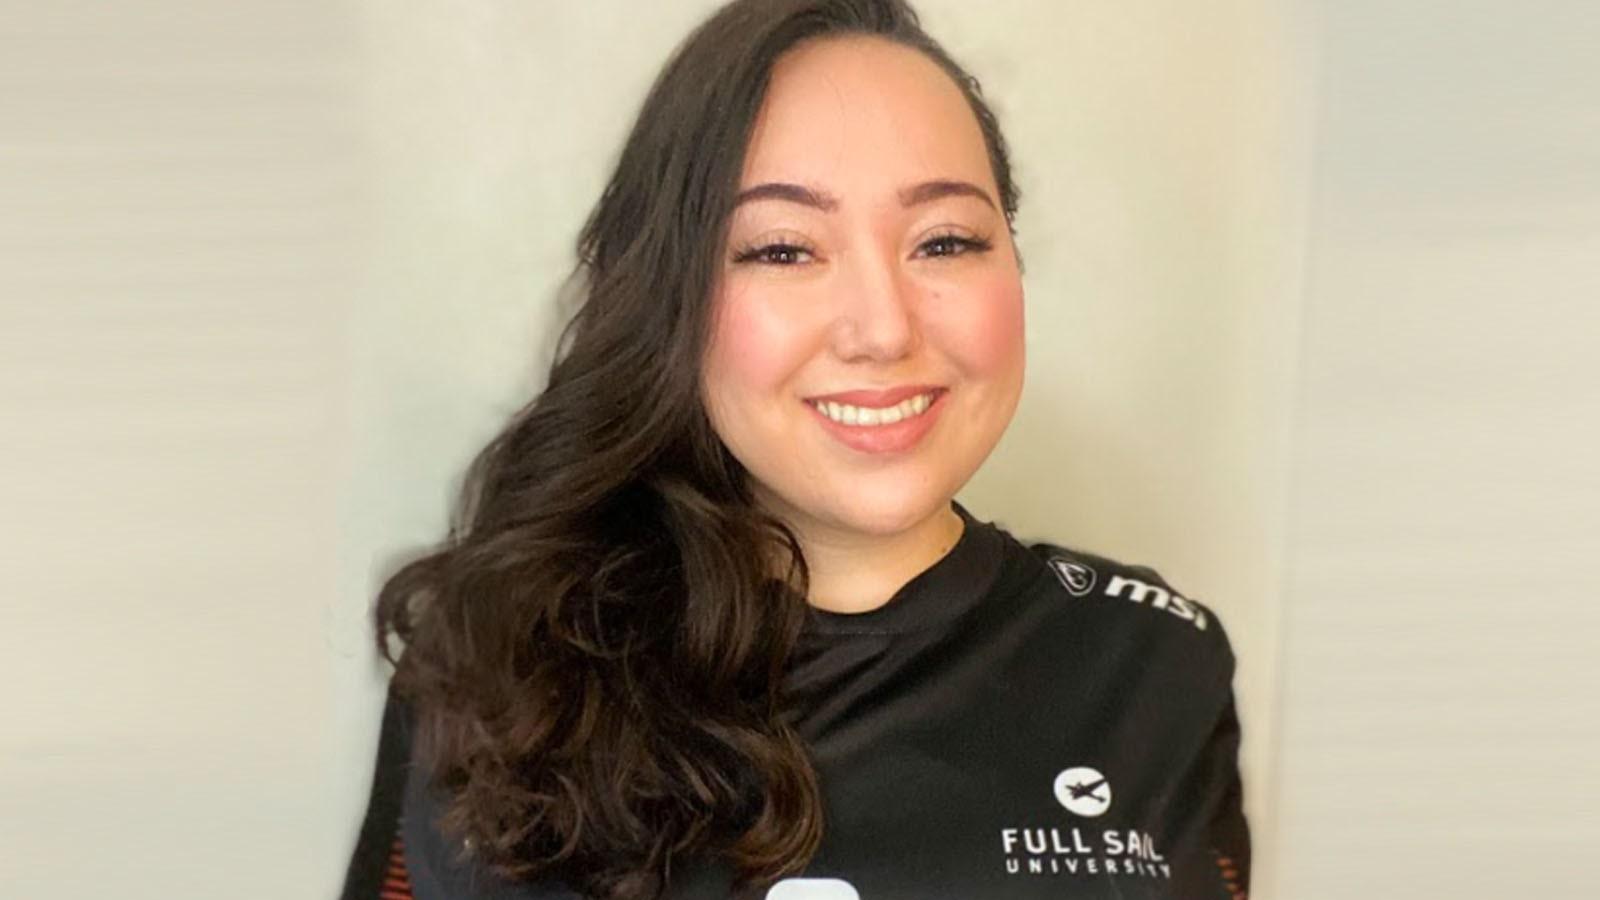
{"type": "Point", "coordinates": [789, 253]}
{"type": "Point", "coordinates": [781, 253]}
{"type": "Point", "coordinates": [954, 245]}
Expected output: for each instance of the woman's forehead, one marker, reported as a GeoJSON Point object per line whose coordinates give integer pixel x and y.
{"type": "Point", "coordinates": [854, 113]}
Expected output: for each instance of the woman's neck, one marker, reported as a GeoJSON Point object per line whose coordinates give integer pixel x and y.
{"type": "Point", "coordinates": [855, 572]}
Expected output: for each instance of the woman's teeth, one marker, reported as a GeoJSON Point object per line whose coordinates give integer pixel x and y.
{"type": "Point", "coordinates": [846, 414]}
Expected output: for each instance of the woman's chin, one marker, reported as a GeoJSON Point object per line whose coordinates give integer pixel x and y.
{"type": "Point", "coordinates": [858, 509]}
{"type": "Point", "coordinates": [889, 517]}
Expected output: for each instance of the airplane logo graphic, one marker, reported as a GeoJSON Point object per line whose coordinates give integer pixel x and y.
{"type": "Point", "coordinates": [1083, 791]}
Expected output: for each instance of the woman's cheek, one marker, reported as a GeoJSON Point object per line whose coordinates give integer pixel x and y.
{"type": "Point", "coordinates": [757, 347]}
{"type": "Point", "coordinates": [986, 329]}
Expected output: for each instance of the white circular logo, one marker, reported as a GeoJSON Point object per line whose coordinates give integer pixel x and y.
{"type": "Point", "coordinates": [1083, 791]}
{"type": "Point", "coordinates": [813, 889]}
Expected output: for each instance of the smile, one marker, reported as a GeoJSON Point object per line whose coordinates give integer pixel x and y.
{"type": "Point", "coordinates": [878, 431]}
{"type": "Point", "coordinates": [848, 414]}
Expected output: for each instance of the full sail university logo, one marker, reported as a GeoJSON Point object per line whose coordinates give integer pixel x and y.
{"type": "Point", "coordinates": [1074, 850]}
{"type": "Point", "coordinates": [1083, 791]}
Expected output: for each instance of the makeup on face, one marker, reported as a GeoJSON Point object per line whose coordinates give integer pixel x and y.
{"type": "Point", "coordinates": [891, 421]}
{"type": "Point", "coordinates": [867, 348]}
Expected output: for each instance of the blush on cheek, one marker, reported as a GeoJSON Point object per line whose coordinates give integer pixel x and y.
{"type": "Point", "coordinates": [990, 325]}
{"type": "Point", "coordinates": [753, 349]}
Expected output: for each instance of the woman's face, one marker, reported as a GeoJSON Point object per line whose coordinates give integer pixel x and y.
{"type": "Point", "coordinates": [868, 256]}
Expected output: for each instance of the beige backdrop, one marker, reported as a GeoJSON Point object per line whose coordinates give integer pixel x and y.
{"type": "Point", "coordinates": [1158, 148]}
{"type": "Point", "coordinates": [1156, 144]}
{"type": "Point", "coordinates": [271, 272]}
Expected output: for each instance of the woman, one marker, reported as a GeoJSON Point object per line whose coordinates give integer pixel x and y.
{"type": "Point", "coordinates": [710, 622]}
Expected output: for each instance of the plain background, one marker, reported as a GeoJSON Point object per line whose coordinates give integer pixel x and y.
{"type": "Point", "coordinates": [1310, 322]}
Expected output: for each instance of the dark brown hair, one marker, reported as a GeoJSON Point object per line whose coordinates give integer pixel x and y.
{"type": "Point", "coordinates": [594, 654]}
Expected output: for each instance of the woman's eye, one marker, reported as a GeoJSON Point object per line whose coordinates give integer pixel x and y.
{"type": "Point", "coordinates": [774, 254]}
{"type": "Point", "coordinates": [952, 245]}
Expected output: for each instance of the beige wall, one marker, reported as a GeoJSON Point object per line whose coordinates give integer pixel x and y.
{"type": "Point", "coordinates": [1440, 726]}
{"type": "Point", "coordinates": [1158, 145]}
{"type": "Point", "coordinates": [182, 229]}
{"type": "Point", "coordinates": [273, 272]}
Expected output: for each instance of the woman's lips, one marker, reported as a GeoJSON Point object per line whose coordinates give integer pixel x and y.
{"type": "Point", "coordinates": [897, 437]}
{"type": "Point", "coordinates": [879, 399]}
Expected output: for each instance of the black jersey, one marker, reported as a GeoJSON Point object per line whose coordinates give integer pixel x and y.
{"type": "Point", "coordinates": [1019, 721]}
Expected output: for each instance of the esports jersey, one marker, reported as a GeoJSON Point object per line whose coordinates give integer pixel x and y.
{"type": "Point", "coordinates": [1017, 722]}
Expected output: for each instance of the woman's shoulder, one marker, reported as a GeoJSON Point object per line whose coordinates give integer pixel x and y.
{"type": "Point", "coordinates": [1134, 602]}
{"type": "Point", "coordinates": [377, 863]}
{"type": "Point", "coordinates": [400, 853]}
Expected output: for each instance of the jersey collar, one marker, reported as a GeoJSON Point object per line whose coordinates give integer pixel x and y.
{"type": "Point", "coordinates": [937, 594]}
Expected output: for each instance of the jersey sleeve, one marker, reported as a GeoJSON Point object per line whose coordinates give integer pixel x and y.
{"type": "Point", "coordinates": [377, 864]}
{"type": "Point", "coordinates": [1227, 832]}
{"type": "Point", "coordinates": [398, 854]}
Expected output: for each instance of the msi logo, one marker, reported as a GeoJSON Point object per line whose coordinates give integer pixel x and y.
{"type": "Point", "coordinates": [1076, 577]}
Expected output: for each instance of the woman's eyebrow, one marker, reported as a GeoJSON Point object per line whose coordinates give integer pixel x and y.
{"type": "Point", "coordinates": [794, 193]}
{"type": "Point", "coordinates": [943, 187]}
{"type": "Point", "coordinates": [817, 198]}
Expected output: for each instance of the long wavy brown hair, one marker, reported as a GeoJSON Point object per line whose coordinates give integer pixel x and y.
{"type": "Point", "coordinates": [594, 654]}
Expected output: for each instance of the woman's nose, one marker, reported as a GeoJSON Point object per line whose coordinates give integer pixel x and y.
{"type": "Point", "coordinates": [878, 310]}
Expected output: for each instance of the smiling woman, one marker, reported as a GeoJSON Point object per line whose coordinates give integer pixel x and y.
{"type": "Point", "coordinates": [871, 266]}
{"type": "Point", "coordinates": [710, 622]}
